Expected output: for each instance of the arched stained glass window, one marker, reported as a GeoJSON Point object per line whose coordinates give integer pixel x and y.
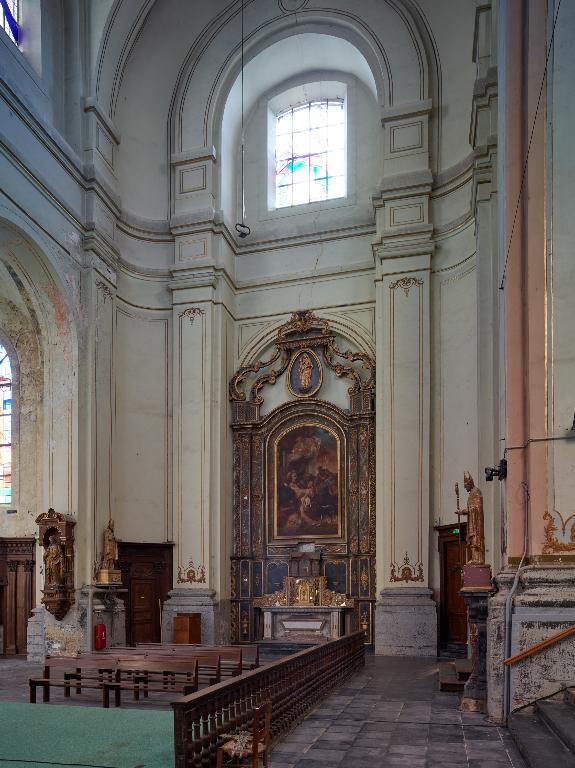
{"type": "Point", "coordinates": [5, 428]}
{"type": "Point", "coordinates": [10, 19]}
{"type": "Point", "coordinates": [310, 153]}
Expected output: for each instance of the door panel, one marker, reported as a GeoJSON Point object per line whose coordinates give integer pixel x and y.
{"type": "Point", "coordinates": [453, 610]}
{"type": "Point", "coordinates": [145, 614]}
{"type": "Point", "coordinates": [456, 608]}
{"type": "Point", "coordinates": [147, 575]}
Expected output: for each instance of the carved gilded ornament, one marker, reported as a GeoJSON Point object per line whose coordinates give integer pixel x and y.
{"type": "Point", "coordinates": [191, 313]}
{"type": "Point", "coordinates": [105, 290]}
{"type": "Point", "coordinates": [405, 283]}
{"type": "Point", "coordinates": [294, 343]}
{"type": "Point", "coordinates": [406, 572]}
{"type": "Point", "coordinates": [551, 543]}
{"type": "Point", "coordinates": [191, 574]}
{"type": "Point", "coordinates": [304, 590]}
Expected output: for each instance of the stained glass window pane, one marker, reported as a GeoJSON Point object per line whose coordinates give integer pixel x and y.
{"type": "Point", "coordinates": [310, 150]}
{"type": "Point", "coordinates": [301, 143]}
{"type": "Point", "coordinates": [301, 119]}
{"type": "Point", "coordinates": [284, 147]}
{"type": "Point", "coordinates": [7, 23]}
{"type": "Point", "coordinates": [318, 140]}
{"type": "Point", "coordinates": [5, 428]}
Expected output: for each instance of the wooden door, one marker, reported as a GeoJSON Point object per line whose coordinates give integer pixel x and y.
{"type": "Point", "coordinates": [453, 611]}
{"type": "Point", "coordinates": [147, 575]}
{"type": "Point", "coordinates": [17, 557]}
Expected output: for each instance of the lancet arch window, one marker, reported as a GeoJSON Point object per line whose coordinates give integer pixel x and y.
{"type": "Point", "coordinates": [310, 153]}
{"type": "Point", "coordinates": [6, 386]}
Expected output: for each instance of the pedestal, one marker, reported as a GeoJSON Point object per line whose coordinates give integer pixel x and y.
{"type": "Point", "coordinates": [406, 622]}
{"type": "Point", "coordinates": [194, 600]}
{"type": "Point", "coordinates": [475, 691]}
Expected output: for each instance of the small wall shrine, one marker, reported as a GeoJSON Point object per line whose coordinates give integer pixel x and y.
{"type": "Point", "coordinates": [56, 534]}
{"type": "Point", "coordinates": [304, 482]}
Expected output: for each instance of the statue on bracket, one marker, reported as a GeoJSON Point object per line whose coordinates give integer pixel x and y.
{"type": "Point", "coordinates": [475, 572]}
{"type": "Point", "coordinates": [54, 562]}
{"type": "Point", "coordinates": [108, 573]}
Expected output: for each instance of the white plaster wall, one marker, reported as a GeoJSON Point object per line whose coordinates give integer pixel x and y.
{"type": "Point", "coordinates": [142, 447]}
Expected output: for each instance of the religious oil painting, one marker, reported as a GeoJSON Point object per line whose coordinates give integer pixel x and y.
{"type": "Point", "coordinates": [305, 374]}
{"type": "Point", "coordinates": [307, 487]}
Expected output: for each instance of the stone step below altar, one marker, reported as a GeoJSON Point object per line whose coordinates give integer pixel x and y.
{"type": "Point", "coordinates": [274, 650]}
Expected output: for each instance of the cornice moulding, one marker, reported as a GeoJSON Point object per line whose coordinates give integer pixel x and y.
{"type": "Point", "coordinates": [409, 109]}
{"type": "Point", "coordinates": [417, 183]}
{"type": "Point", "coordinates": [194, 155]}
{"type": "Point", "coordinates": [91, 105]}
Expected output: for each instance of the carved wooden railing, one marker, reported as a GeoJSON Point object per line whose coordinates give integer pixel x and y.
{"type": "Point", "coordinates": [551, 640]}
{"type": "Point", "coordinates": [294, 685]}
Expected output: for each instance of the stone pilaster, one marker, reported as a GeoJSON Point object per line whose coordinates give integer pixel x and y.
{"type": "Point", "coordinates": [202, 447]}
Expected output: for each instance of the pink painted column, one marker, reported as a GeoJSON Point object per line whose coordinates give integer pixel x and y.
{"type": "Point", "coordinates": [525, 283]}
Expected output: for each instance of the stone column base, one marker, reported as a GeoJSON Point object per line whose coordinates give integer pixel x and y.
{"type": "Point", "coordinates": [406, 622]}
{"type": "Point", "coordinates": [215, 620]}
{"type": "Point", "coordinates": [46, 635]}
{"type": "Point", "coordinates": [543, 605]}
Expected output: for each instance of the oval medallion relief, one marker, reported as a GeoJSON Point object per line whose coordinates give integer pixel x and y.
{"type": "Point", "coordinates": [305, 374]}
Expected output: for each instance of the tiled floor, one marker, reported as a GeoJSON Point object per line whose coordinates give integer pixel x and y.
{"type": "Point", "coordinates": [392, 715]}
{"type": "Point", "coordinates": [389, 715]}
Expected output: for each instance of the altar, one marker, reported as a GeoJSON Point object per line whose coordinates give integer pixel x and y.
{"type": "Point", "coordinates": [299, 623]}
{"type": "Point", "coordinates": [304, 609]}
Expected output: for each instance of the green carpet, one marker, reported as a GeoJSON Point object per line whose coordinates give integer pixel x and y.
{"type": "Point", "coordinates": [53, 735]}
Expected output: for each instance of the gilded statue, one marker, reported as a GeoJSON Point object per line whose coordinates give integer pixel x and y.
{"type": "Point", "coordinates": [474, 512]}
{"type": "Point", "coordinates": [54, 561]}
{"type": "Point", "coordinates": [305, 370]}
{"type": "Point", "coordinates": [110, 556]}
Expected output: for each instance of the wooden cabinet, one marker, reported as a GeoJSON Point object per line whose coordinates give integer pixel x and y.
{"type": "Point", "coordinates": [187, 628]}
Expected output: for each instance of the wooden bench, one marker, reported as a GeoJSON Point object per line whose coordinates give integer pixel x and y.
{"type": "Point", "coordinates": [211, 668]}
{"type": "Point", "coordinates": [145, 676]}
{"type": "Point", "coordinates": [231, 658]}
{"type": "Point", "coordinates": [250, 653]}
{"type": "Point", "coordinates": [73, 675]}
{"type": "Point", "coordinates": [104, 671]}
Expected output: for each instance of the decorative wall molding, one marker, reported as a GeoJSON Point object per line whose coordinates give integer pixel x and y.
{"type": "Point", "coordinates": [191, 313]}
{"type": "Point", "coordinates": [405, 283]}
{"type": "Point", "coordinates": [406, 571]}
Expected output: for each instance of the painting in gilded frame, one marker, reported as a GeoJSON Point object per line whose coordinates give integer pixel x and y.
{"type": "Point", "coordinates": [307, 501]}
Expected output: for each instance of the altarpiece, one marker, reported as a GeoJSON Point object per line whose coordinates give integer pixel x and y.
{"type": "Point", "coordinates": [303, 479]}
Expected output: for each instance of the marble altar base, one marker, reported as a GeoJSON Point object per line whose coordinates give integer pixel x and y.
{"type": "Point", "coordinates": [315, 622]}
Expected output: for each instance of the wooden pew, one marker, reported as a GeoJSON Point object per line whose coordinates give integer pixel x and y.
{"type": "Point", "coordinates": [211, 667]}
{"type": "Point", "coordinates": [104, 670]}
{"type": "Point", "coordinates": [250, 653]}
{"type": "Point", "coordinates": [72, 669]}
{"type": "Point", "coordinates": [147, 676]}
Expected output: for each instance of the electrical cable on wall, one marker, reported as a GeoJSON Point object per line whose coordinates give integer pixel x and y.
{"type": "Point", "coordinates": [526, 162]}
{"type": "Point", "coordinates": [241, 227]}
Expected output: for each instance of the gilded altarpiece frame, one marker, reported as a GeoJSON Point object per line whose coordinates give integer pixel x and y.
{"type": "Point", "coordinates": [304, 473]}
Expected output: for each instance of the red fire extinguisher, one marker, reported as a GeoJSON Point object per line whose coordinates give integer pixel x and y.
{"type": "Point", "coordinates": [99, 637]}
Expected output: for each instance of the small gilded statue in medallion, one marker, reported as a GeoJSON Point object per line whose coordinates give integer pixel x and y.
{"type": "Point", "coordinates": [474, 512]}
{"type": "Point", "coordinates": [305, 370]}
{"type": "Point", "coordinates": [54, 561]}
